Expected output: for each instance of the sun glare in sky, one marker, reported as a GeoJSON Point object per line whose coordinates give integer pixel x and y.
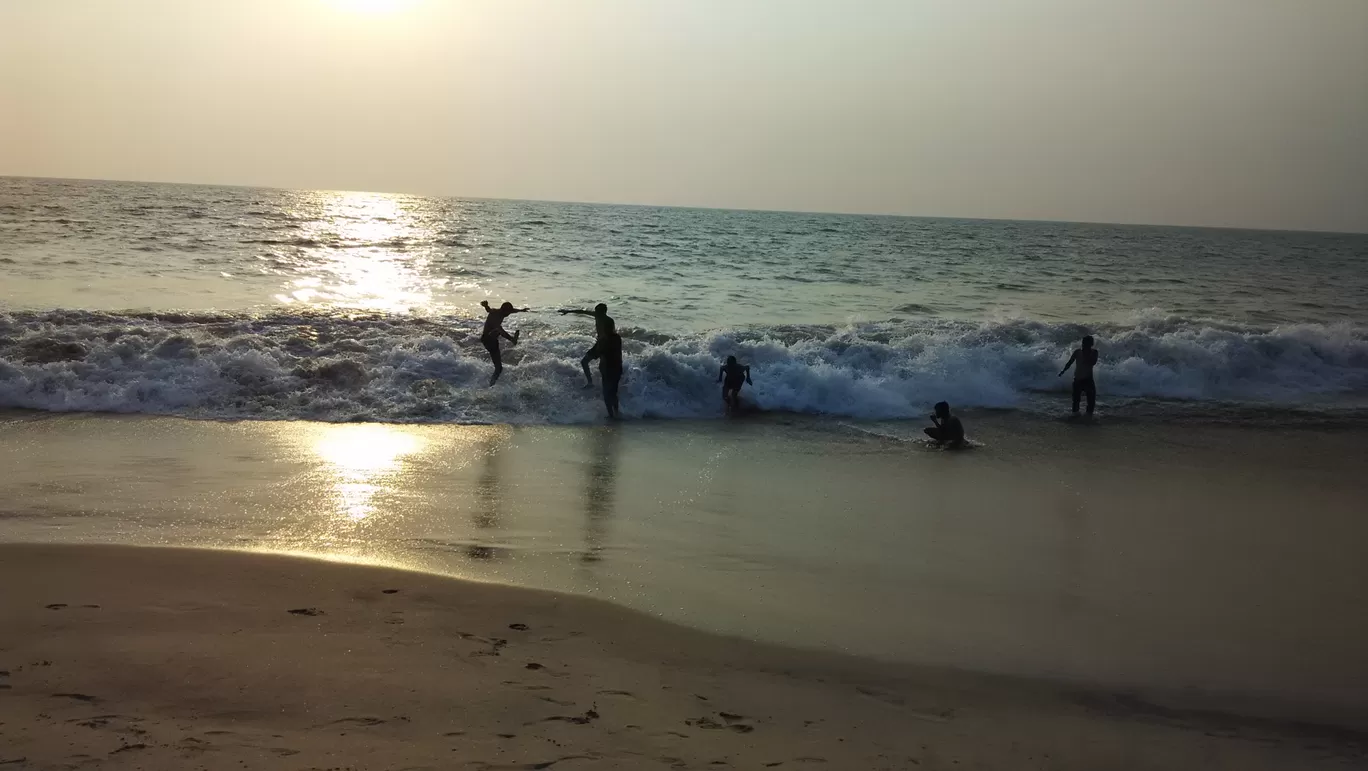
{"type": "Point", "coordinates": [372, 6]}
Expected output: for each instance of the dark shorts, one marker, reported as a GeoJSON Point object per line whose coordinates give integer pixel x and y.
{"type": "Point", "coordinates": [491, 344]}
{"type": "Point", "coordinates": [1081, 387]}
{"type": "Point", "coordinates": [592, 353]}
{"type": "Point", "coordinates": [733, 384]}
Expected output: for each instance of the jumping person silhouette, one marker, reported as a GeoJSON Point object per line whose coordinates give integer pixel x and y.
{"type": "Point", "coordinates": [493, 330]}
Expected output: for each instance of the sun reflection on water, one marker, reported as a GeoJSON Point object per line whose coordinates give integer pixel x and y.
{"type": "Point", "coordinates": [366, 461]}
{"type": "Point", "coordinates": [363, 251]}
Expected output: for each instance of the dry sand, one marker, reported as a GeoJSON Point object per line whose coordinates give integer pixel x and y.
{"type": "Point", "coordinates": [123, 657]}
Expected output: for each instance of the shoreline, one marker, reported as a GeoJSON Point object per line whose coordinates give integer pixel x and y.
{"type": "Point", "coordinates": [166, 657]}
{"type": "Point", "coordinates": [1121, 558]}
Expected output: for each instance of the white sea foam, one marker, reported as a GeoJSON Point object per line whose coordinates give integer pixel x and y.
{"type": "Point", "coordinates": [402, 370]}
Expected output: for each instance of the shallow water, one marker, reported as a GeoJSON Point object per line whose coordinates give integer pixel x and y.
{"type": "Point", "coordinates": [1227, 562]}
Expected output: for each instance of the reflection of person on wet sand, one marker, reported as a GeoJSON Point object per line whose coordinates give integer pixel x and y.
{"type": "Point", "coordinates": [598, 493]}
{"type": "Point", "coordinates": [488, 498]}
{"type": "Point", "coordinates": [493, 330]}
{"type": "Point", "coordinates": [735, 374]}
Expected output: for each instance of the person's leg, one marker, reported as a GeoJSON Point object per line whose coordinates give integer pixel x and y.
{"type": "Point", "coordinates": [1091, 389]}
{"type": "Point", "coordinates": [1077, 393]}
{"type": "Point", "coordinates": [590, 355]}
{"type": "Point", "coordinates": [493, 348]}
{"type": "Point", "coordinates": [933, 432]}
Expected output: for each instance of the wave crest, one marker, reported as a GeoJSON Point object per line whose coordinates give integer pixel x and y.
{"type": "Point", "coordinates": [399, 369]}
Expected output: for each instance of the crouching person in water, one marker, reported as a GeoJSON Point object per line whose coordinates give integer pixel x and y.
{"type": "Point", "coordinates": [734, 374]}
{"type": "Point", "coordinates": [947, 429]}
{"type": "Point", "coordinates": [609, 349]}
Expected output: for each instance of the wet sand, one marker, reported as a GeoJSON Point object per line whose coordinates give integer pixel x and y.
{"type": "Point", "coordinates": [1216, 568]}
{"type": "Point", "coordinates": [120, 657]}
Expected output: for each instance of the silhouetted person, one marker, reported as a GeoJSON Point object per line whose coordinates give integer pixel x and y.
{"type": "Point", "coordinates": [947, 428]}
{"type": "Point", "coordinates": [602, 322]}
{"type": "Point", "coordinates": [609, 349]}
{"type": "Point", "coordinates": [732, 376]}
{"type": "Point", "coordinates": [1082, 361]}
{"type": "Point", "coordinates": [493, 330]}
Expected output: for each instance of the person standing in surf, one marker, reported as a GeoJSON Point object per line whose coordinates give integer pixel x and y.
{"type": "Point", "coordinates": [735, 375]}
{"type": "Point", "coordinates": [946, 428]}
{"type": "Point", "coordinates": [1083, 361]}
{"type": "Point", "coordinates": [609, 349]}
{"type": "Point", "coordinates": [602, 322]}
{"type": "Point", "coordinates": [493, 330]}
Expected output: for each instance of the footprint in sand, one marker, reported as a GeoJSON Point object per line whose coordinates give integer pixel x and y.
{"type": "Point", "coordinates": [305, 612]}
{"type": "Point", "coordinates": [56, 606]}
{"type": "Point", "coordinates": [709, 724]}
{"type": "Point", "coordinates": [76, 696]}
{"type": "Point", "coordinates": [518, 627]}
{"type": "Point", "coordinates": [588, 717]}
{"type": "Point", "coordinates": [358, 721]}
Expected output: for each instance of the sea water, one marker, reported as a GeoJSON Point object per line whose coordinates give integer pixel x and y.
{"type": "Point", "coordinates": [1205, 535]}
{"type": "Point", "coordinates": [249, 303]}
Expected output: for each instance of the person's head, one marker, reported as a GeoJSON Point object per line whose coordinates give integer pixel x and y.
{"type": "Point", "coordinates": [600, 310]}
{"type": "Point", "coordinates": [1087, 341]}
{"type": "Point", "coordinates": [943, 409]}
{"type": "Point", "coordinates": [731, 360]}
{"type": "Point", "coordinates": [506, 307]}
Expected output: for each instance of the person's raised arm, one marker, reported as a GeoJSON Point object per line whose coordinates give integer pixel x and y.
{"type": "Point", "coordinates": [484, 304]}
{"type": "Point", "coordinates": [520, 310]}
{"type": "Point", "coordinates": [1068, 364]}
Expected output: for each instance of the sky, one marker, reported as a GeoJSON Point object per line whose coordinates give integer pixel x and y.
{"type": "Point", "coordinates": [1242, 113]}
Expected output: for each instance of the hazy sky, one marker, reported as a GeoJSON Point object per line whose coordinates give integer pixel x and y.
{"type": "Point", "coordinates": [1221, 112]}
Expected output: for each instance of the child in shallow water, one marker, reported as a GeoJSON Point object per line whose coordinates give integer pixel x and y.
{"type": "Point", "coordinates": [947, 429]}
{"type": "Point", "coordinates": [732, 375]}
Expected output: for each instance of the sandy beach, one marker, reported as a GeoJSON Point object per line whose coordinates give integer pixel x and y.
{"type": "Point", "coordinates": [139, 658]}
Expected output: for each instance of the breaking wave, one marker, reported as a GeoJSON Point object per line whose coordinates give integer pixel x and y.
{"type": "Point", "coordinates": [401, 369]}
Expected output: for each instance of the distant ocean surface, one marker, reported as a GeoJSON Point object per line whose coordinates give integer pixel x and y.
{"type": "Point", "coordinates": [222, 302]}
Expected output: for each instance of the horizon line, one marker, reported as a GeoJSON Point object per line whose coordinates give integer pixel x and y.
{"type": "Point", "coordinates": [1244, 228]}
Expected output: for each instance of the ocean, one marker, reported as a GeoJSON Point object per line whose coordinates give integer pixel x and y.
{"type": "Point", "coordinates": [299, 372]}
{"type": "Point", "coordinates": [221, 302]}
